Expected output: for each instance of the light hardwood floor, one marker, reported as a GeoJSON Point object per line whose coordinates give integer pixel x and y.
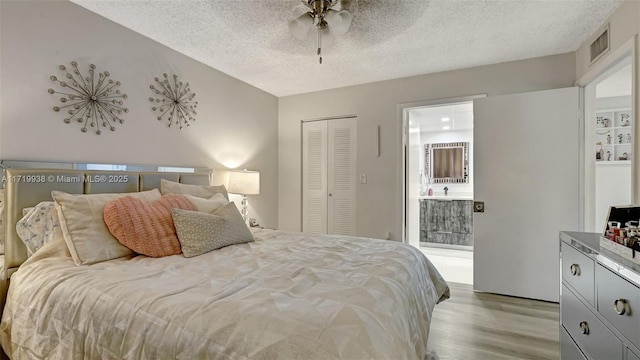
{"type": "Point", "coordinates": [478, 326]}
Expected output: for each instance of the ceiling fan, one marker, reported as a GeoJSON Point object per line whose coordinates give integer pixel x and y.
{"type": "Point", "coordinates": [328, 17]}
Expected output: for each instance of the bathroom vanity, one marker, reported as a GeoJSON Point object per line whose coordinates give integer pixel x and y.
{"type": "Point", "coordinates": [446, 220]}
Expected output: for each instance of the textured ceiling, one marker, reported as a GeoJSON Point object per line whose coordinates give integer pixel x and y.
{"type": "Point", "coordinates": [388, 39]}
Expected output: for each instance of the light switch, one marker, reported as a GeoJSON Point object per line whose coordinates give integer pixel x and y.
{"type": "Point", "coordinates": [363, 178]}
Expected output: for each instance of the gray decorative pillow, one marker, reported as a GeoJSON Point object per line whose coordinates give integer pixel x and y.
{"type": "Point", "coordinates": [200, 232]}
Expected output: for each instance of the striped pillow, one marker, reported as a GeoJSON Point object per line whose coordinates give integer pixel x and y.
{"type": "Point", "coordinates": [146, 227]}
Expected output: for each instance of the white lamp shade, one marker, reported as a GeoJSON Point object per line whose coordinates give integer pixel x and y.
{"type": "Point", "coordinates": [244, 182]}
{"type": "Point", "coordinates": [339, 21]}
{"type": "Point", "coordinates": [300, 26]}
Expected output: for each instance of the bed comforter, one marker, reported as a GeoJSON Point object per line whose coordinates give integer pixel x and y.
{"type": "Point", "coordinates": [284, 296]}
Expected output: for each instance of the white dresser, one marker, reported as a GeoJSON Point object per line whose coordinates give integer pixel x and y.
{"type": "Point", "coordinates": [599, 301]}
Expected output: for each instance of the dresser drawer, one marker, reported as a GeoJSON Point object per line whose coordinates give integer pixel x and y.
{"type": "Point", "coordinates": [630, 355]}
{"type": "Point", "coordinates": [568, 349]}
{"type": "Point", "coordinates": [612, 288]}
{"type": "Point", "coordinates": [577, 271]}
{"type": "Point", "coordinates": [596, 340]}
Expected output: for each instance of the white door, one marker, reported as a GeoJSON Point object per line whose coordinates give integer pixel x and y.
{"type": "Point", "coordinates": [314, 177]}
{"type": "Point", "coordinates": [341, 162]}
{"type": "Point", "coordinates": [329, 176]}
{"type": "Point", "coordinates": [526, 161]}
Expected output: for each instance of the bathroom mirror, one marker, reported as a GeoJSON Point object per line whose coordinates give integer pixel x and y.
{"type": "Point", "coordinates": [447, 163]}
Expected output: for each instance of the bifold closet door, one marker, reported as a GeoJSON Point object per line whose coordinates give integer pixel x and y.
{"type": "Point", "coordinates": [314, 177]}
{"type": "Point", "coordinates": [329, 176]}
{"type": "Point", "coordinates": [341, 204]}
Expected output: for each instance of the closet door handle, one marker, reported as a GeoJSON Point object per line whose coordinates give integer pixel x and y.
{"type": "Point", "coordinates": [330, 194]}
{"type": "Point", "coordinates": [584, 328]}
{"type": "Point", "coordinates": [575, 270]}
{"type": "Point", "coordinates": [623, 309]}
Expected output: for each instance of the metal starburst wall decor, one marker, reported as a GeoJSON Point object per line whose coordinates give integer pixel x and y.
{"type": "Point", "coordinates": [91, 101]}
{"type": "Point", "coordinates": [175, 101]}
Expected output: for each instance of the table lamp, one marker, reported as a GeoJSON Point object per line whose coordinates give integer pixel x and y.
{"type": "Point", "coordinates": [244, 182]}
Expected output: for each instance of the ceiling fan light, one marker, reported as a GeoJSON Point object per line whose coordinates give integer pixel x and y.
{"type": "Point", "coordinates": [339, 21]}
{"type": "Point", "coordinates": [327, 38]}
{"type": "Point", "coordinates": [300, 26]}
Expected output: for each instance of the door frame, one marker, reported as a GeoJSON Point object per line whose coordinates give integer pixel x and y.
{"type": "Point", "coordinates": [403, 134]}
{"type": "Point", "coordinates": [602, 69]}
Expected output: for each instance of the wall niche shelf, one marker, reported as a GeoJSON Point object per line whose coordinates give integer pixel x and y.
{"type": "Point", "coordinates": [614, 163]}
{"type": "Point", "coordinates": [614, 136]}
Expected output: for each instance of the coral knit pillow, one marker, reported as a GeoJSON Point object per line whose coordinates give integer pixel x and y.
{"type": "Point", "coordinates": [146, 227]}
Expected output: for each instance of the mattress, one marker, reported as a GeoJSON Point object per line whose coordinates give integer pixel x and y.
{"type": "Point", "coordinates": [286, 295]}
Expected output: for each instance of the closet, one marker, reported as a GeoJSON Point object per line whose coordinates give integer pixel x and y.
{"type": "Point", "coordinates": [329, 176]}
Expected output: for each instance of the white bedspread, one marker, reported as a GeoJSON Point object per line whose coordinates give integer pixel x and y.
{"type": "Point", "coordinates": [284, 296]}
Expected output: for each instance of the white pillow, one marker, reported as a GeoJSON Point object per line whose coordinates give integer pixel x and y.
{"type": "Point", "coordinates": [209, 205]}
{"type": "Point", "coordinates": [201, 191]}
{"type": "Point", "coordinates": [1, 221]}
{"type": "Point", "coordinates": [39, 226]}
{"type": "Point", "coordinates": [83, 226]}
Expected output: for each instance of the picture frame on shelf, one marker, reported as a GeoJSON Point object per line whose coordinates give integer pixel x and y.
{"type": "Point", "coordinates": [623, 118]}
{"type": "Point", "coordinates": [613, 135]}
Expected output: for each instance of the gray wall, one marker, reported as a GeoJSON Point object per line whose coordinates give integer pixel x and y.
{"type": "Point", "coordinates": [624, 24]}
{"type": "Point", "coordinates": [236, 124]}
{"type": "Point", "coordinates": [624, 27]}
{"type": "Point", "coordinates": [379, 202]}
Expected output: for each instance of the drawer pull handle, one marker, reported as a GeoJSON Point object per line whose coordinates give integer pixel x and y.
{"type": "Point", "coordinates": [584, 327]}
{"type": "Point", "coordinates": [620, 310]}
{"type": "Point", "coordinates": [575, 270]}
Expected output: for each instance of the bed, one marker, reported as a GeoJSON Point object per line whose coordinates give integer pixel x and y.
{"type": "Point", "coordinates": [284, 295]}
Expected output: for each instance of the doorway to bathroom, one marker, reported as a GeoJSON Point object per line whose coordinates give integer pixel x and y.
{"type": "Point", "coordinates": [438, 180]}
{"type": "Point", "coordinates": [609, 137]}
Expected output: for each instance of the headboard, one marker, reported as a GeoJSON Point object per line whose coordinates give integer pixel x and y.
{"type": "Point", "coordinates": [27, 187]}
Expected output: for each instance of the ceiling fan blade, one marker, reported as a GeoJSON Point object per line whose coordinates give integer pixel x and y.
{"type": "Point", "coordinates": [300, 26]}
